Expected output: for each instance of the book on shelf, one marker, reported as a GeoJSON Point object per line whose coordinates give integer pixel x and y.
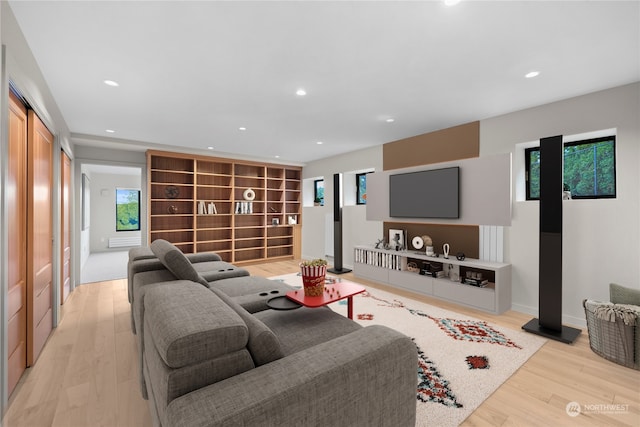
{"type": "Point", "coordinates": [480, 283]}
{"type": "Point", "coordinates": [437, 274]}
{"type": "Point", "coordinates": [207, 208]}
{"type": "Point", "coordinates": [244, 208]}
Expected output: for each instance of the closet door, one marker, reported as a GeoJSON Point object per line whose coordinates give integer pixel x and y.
{"type": "Point", "coordinates": [40, 236]}
{"type": "Point", "coordinates": [16, 196]}
{"type": "Point", "coordinates": [65, 228]}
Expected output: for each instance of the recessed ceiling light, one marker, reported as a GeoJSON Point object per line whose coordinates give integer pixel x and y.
{"type": "Point", "coordinates": [532, 74]}
{"type": "Point", "coordinates": [301, 92]}
{"type": "Point", "coordinates": [242, 128]}
{"type": "Point", "coordinates": [277, 157]}
{"type": "Point", "coordinates": [390, 120]}
{"type": "Point", "coordinates": [111, 83]}
{"type": "Point", "coordinates": [109, 130]}
{"type": "Point", "coordinates": [319, 142]}
{"type": "Point", "coordinates": [209, 148]}
{"type": "Point", "coordinates": [451, 2]}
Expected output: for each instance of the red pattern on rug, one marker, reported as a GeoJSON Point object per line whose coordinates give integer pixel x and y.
{"type": "Point", "coordinates": [477, 362]}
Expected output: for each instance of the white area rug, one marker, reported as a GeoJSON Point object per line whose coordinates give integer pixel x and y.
{"type": "Point", "coordinates": [462, 360]}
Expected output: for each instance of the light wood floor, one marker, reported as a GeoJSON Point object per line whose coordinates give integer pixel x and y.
{"type": "Point", "coordinates": [87, 374]}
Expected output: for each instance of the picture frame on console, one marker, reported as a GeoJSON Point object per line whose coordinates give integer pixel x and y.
{"type": "Point", "coordinates": [397, 239]}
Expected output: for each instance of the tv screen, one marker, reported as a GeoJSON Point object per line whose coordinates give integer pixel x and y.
{"type": "Point", "coordinates": [425, 194]}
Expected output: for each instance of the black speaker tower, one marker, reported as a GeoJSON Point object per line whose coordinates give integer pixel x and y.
{"type": "Point", "coordinates": [549, 324]}
{"type": "Point", "coordinates": [337, 226]}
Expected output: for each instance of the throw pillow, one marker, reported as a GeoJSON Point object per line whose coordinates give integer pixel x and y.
{"type": "Point", "coordinates": [622, 295]}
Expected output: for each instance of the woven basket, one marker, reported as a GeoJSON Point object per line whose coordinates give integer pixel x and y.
{"type": "Point", "coordinates": [313, 278]}
{"type": "Point", "coordinates": [612, 340]}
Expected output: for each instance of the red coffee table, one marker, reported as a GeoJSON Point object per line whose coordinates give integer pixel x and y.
{"type": "Point", "coordinates": [332, 292]}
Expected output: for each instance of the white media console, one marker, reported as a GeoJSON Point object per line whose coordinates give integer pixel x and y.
{"type": "Point", "coordinates": [391, 268]}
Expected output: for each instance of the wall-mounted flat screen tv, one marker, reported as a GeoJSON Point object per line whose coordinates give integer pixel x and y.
{"type": "Point", "coordinates": [425, 194]}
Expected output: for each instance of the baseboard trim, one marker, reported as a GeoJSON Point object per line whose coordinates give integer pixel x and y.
{"type": "Point", "coordinates": [577, 322]}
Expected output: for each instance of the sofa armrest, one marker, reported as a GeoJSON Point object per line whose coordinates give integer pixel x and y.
{"type": "Point", "coordinates": [203, 257]}
{"type": "Point", "coordinates": [367, 377]}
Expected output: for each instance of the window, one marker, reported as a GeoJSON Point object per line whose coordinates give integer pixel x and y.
{"type": "Point", "coordinates": [318, 192]}
{"type": "Point", "coordinates": [532, 171]}
{"type": "Point", "coordinates": [589, 169]}
{"type": "Point", "coordinates": [361, 188]}
{"type": "Point", "coordinates": [127, 209]}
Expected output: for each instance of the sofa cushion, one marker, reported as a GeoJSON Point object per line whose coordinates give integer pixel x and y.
{"type": "Point", "coordinates": [207, 264]}
{"type": "Point", "coordinates": [141, 280]}
{"type": "Point", "coordinates": [140, 265]}
{"type": "Point", "coordinates": [217, 270]}
{"type": "Point", "coordinates": [175, 261]}
{"type": "Point", "coordinates": [165, 384]}
{"type": "Point", "coordinates": [192, 325]}
{"type": "Point", "coordinates": [305, 327]}
{"type": "Point", "coordinates": [137, 308]}
{"type": "Point", "coordinates": [251, 292]}
{"type": "Point", "coordinates": [366, 378]}
{"type": "Point", "coordinates": [263, 344]}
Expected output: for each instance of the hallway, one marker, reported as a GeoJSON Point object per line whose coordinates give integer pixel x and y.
{"type": "Point", "coordinates": [103, 266]}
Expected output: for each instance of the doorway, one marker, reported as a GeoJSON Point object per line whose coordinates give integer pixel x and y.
{"type": "Point", "coordinates": [104, 245]}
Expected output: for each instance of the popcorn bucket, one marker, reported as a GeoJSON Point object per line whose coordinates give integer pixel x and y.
{"type": "Point", "coordinates": [313, 279]}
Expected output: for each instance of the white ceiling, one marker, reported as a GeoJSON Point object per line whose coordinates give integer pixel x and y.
{"type": "Point", "coordinates": [192, 73]}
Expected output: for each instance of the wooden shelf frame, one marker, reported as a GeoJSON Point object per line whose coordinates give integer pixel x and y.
{"type": "Point", "coordinates": [238, 238]}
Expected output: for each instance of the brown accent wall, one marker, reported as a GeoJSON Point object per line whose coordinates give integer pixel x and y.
{"type": "Point", "coordinates": [459, 142]}
{"type": "Point", "coordinates": [461, 238]}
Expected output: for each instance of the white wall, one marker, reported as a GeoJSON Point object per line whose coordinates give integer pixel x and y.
{"type": "Point", "coordinates": [356, 230]}
{"type": "Point", "coordinates": [600, 237]}
{"type": "Point", "coordinates": [103, 209]}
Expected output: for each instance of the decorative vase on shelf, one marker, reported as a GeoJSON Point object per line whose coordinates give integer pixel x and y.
{"type": "Point", "coordinates": [313, 277]}
{"type": "Point", "coordinates": [427, 241]}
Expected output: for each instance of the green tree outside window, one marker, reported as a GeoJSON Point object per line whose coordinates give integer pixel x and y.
{"type": "Point", "coordinates": [127, 209]}
{"type": "Point", "coordinates": [589, 169]}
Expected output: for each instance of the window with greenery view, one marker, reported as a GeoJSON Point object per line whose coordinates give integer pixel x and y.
{"type": "Point", "coordinates": [589, 169]}
{"type": "Point", "coordinates": [127, 209]}
{"type": "Point", "coordinates": [361, 188]}
{"type": "Point", "coordinates": [318, 192]}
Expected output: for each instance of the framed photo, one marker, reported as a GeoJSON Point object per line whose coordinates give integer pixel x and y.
{"type": "Point", "coordinates": [397, 239]}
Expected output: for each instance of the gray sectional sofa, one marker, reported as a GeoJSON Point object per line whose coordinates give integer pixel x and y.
{"type": "Point", "coordinates": [214, 354]}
